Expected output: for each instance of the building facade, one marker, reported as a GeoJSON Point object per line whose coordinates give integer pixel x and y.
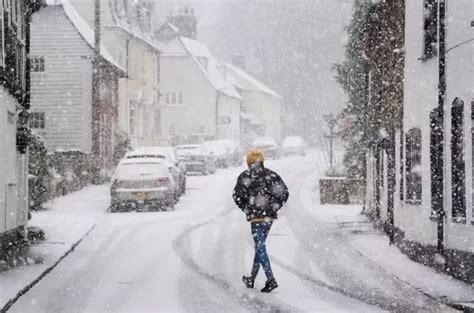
{"type": "Point", "coordinates": [197, 100]}
{"type": "Point", "coordinates": [422, 189]}
{"type": "Point", "coordinates": [62, 103]}
{"type": "Point", "coordinates": [126, 31]}
{"type": "Point", "coordinates": [261, 106]}
{"type": "Point", "coordinates": [14, 103]}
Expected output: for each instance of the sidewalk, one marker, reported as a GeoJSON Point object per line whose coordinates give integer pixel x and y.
{"type": "Point", "coordinates": [65, 222]}
{"type": "Point", "coordinates": [374, 245]}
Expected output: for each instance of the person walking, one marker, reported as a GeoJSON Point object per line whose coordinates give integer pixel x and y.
{"type": "Point", "coordinates": [260, 193]}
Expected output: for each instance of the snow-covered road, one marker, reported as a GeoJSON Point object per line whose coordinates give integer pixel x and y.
{"type": "Point", "coordinates": [192, 259]}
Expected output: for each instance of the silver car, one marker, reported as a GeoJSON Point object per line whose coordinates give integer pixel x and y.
{"type": "Point", "coordinates": [140, 183]}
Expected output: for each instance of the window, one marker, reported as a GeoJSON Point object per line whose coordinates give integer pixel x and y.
{"type": "Point", "coordinates": [458, 166]}
{"type": "Point", "coordinates": [413, 166]}
{"type": "Point", "coordinates": [173, 98]}
{"type": "Point", "coordinates": [180, 98]}
{"type": "Point", "coordinates": [37, 120]}
{"type": "Point", "coordinates": [167, 98]}
{"type": "Point", "coordinates": [430, 28]}
{"type": "Point", "coordinates": [37, 64]}
{"type": "Point", "coordinates": [133, 118]}
{"type": "Point", "coordinates": [437, 162]}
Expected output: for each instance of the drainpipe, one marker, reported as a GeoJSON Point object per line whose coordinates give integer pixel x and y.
{"type": "Point", "coordinates": [96, 100]}
{"type": "Point", "coordinates": [441, 104]}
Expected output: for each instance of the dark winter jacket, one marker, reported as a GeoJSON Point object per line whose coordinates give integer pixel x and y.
{"type": "Point", "coordinates": [260, 193]}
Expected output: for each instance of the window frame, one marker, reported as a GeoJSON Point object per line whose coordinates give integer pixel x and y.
{"type": "Point", "coordinates": [458, 162]}
{"type": "Point", "coordinates": [37, 120]}
{"type": "Point", "coordinates": [413, 158]}
{"type": "Point", "coordinates": [430, 29]}
{"type": "Point", "coordinates": [37, 64]}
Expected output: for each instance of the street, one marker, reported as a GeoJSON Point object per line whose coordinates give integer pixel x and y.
{"type": "Point", "coordinates": [192, 259]}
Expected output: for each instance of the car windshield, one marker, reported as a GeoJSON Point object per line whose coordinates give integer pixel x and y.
{"type": "Point", "coordinates": [147, 155]}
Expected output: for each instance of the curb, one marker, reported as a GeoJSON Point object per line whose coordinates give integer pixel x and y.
{"type": "Point", "coordinates": [12, 301]}
{"type": "Point", "coordinates": [456, 306]}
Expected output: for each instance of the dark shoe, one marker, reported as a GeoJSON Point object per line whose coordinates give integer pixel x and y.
{"type": "Point", "coordinates": [270, 285]}
{"type": "Point", "coordinates": [248, 281]}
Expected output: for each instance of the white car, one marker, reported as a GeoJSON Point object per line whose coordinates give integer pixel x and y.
{"type": "Point", "coordinates": [294, 145]}
{"type": "Point", "coordinates": [137, 183]}
{"type": "Point", "coordinates": [268, 145]}
{"type": "Point", "coordinates": [234, 150]}
{"type": "Point", "coordinates": [166, 154]}
{"type": "Point", "coordinates": [196, 158]}
{"type": "Point", "coordinates": [220, 151]}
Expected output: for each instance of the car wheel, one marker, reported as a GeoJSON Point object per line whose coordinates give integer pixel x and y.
{"type": "Point", "coordinates": [170, 206]}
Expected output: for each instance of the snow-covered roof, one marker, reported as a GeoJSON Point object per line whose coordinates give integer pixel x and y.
{"type": "Point", "coordinates": [183, 46]}
{"type": "Point", "coordinates": [172, 48]}
{"type": "Point", "coordinates": [83, 29]}
{"type": "Point", "coordinates": [245, 79]}
{"type": "Point", "coordinates": [198, 50]}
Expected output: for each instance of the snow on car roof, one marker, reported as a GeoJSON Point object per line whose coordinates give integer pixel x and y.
{"type": "Point", "coordinates": [293, 139]}
{"type": "Point", "coordinates": [188, 147]}
{"type": "Point", "coordinates": [264, 140]}
{"type": "Point", "coordinates": [142, 160]}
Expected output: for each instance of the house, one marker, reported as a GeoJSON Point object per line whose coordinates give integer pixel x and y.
{"type": "Point", "coordinates": [126, 31]}
{"type": "Point", "coordinates": [422, 189]}
{"type": "Point", "coordinates": [14, 103]}
{"type": "Point", "coordinates": [198, 101]}
{"type": "Point", "coordinates": [62, 102]}
{"type": "Point", "coordinates": [261, 106]}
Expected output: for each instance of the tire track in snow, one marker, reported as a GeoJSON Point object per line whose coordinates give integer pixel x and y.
{"type": "Point", "coordinates": [253, 304]}
{"type": "Point", "coordinates": [345, 282]}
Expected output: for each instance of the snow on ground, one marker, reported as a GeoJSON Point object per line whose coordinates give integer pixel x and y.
{"type": "Point", "coordinates": [64, 221]}
{"type": "Point", "coordinates": [192, 259]}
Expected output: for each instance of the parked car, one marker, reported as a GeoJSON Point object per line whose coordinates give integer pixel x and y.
{"type": "Point", "coordinates": [141, 182]}
{"type": "Point", "coordinates": [235, 152]}
{"type": "Point", "coordinates": [168, 154]}
{"type": "Point", "coordinates": [294, 145]}
{"type": "Point", "coordinates": [268, 145]}
{"type": "Point", "coordinates": [196, 158]}
{"type": "Point", "coordinates": [220, 151]}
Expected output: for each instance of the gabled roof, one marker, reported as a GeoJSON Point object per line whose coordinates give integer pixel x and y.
{"type": "Point", "coordinates": [84, 30]}
{"type": "Point", "coordinates": [248, 82]}
{"type": "Point", "coordinates": [197, 50]}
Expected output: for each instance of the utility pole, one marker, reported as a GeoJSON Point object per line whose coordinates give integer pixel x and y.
{"type": "Point", "coordinates": [96, 101]}
{"type": "Point", "coordinates": [439, 177]}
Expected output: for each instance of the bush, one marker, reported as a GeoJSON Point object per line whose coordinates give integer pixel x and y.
{"type": "Point", "coordinates": [40, 179]}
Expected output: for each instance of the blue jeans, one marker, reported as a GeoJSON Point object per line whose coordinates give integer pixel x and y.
{"type": "Point", "coordinates": [259, 233]}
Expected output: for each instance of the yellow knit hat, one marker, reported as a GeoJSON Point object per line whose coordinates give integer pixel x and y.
{"type": "Point", "coordinates": [254, 156]}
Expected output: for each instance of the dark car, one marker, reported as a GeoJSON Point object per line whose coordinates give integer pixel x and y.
{"type": "Point", "coordinates": [196, 159]}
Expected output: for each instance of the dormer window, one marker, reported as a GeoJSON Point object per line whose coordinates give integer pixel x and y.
{"type": "Point", "coordinates": [430, 28]}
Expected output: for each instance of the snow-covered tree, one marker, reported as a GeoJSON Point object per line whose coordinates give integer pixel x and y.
{"type": "Point", "coordinates": [372, 77]}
